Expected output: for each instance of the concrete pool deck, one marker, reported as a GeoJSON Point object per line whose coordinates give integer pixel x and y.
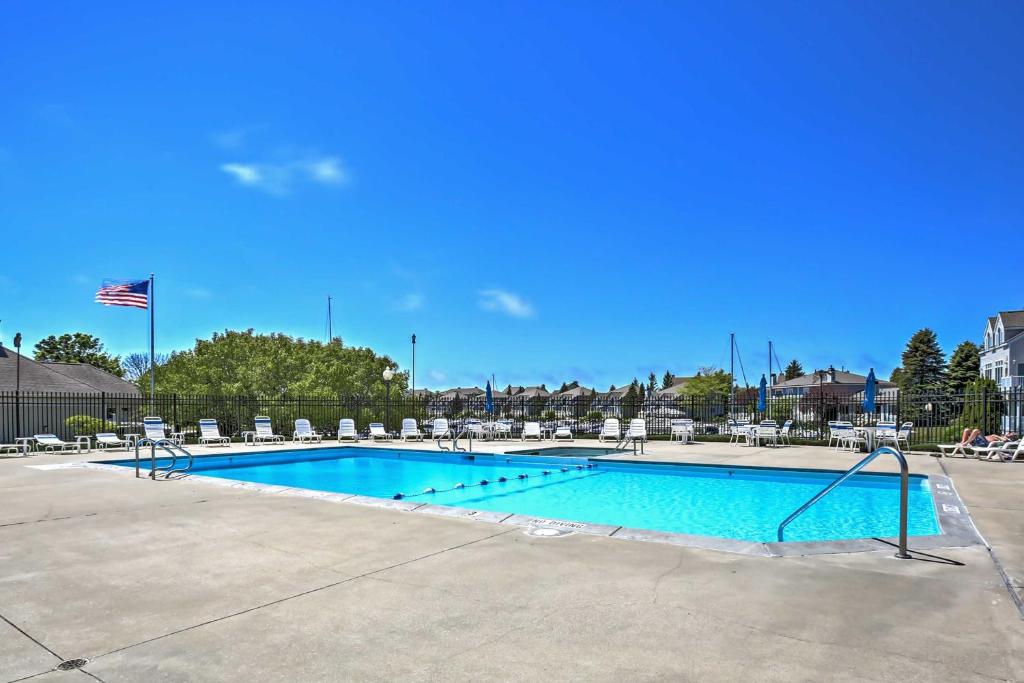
{"type": "Point", "coordinates": [179, 580]}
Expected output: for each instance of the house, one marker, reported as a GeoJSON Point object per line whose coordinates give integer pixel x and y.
{"type": "Point", "coordinates": [831, 383]}
{"type": "Point", "coordinates": [88, 391]}
{"type": "Point", "coordinates": [1002, 349]}
{"type": "Point", "coordinates": [673, 389]}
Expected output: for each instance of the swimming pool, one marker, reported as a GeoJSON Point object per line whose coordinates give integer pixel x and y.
{"type": "Point", "coordinates": [742, 503]}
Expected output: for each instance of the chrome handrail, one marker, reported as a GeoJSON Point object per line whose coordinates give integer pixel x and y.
{"type": "Point", "coordinates": [172, 449]}
{"type": "Point", "coordinates": [904, 492]}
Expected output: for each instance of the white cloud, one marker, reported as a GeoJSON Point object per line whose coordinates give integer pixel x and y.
{"type": "Point", "coordinates": [410, 302]}
{"type": "Point", "coordinates": [505, 302]}
{"type": "Point", "coordinates": [231, 139]}
{"type": "Point", "coordinates": [278, 178]}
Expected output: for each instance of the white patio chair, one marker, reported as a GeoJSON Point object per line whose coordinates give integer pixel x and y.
{"type": "Point", "coordinates": [304, 432]}
{"type": "Point", "coordinates": [347, 429]}
{"type": "Point", "coordinates": [784, 433]}
{"type": "Point", "coordinates": [610, 430]}
{"type": "Point", "coordinates": [476, 428]}
{"type": "Point", "coordinates": [833, 433]}
{"type": "Point", "coordinates": [156, 430]}
{"type": "Point", "coordinates": [563, 433]}
{"type": "Point", "coordinates": [766, 432]}
{"type": "Point", "coordinates": [50, 443]}
{"type": "Point", "coordinates": [903, 435]}
{"type": "Point", "coordinates": [503, 429]}
{"type": "Point", "coordinates": [410, 430]}
{"type": "Point", "coordinates": [209, 433]}
{"type": "Point", "coordinates": [441, 429]}
{"type": "Point", "coordinates": [885, 433]}
{"type": "Point", "coordinates": [377, 431]}
{"type": "Point", "coordinates": [110, 440]}
{"type": "Point", "coordinates": [681, 430]}
{"type": "Point", "coordinates": [265, 431]}
{"type": "Point", "coordinates": [637, 430]}
{"type": "Point", "coordinates": [531, 430]}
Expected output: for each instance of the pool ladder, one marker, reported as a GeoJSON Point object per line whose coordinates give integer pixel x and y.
{"type": "Point", "coordinates": [904, 488]}
{"type": "Point", "coordinates": [455, 441]}
{"type": "Point", "coordinates": [171, 448]}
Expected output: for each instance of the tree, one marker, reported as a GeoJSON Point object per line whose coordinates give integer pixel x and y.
{"type": "Point", "coordinates": [707, 382]}
{"type": "Point", "coordinates": [565, 387]}
{"type": "Point", "coordinates": [964, 366]}
{"type": "Point", "coordinates": [924, 364]}
{"type": "Point", "coordinates": [136, 366]}
{"type": "Point", "coordinates": [78, 348]}
{"type": "Point", "coordinates": [652, 383]}
{"type": "Point", "coordinates": [984, 407]}
{"type": "Point", "coordinates": [793, 370]}
{"type": "Point", "coordinates": [235, 362]}
{"type": "Point", "coordinates": [666, 380]}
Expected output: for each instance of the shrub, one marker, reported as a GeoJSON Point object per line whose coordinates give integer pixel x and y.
{"type": "Point", "coordinates": [87, 424]}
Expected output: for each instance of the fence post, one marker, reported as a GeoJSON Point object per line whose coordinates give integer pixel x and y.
{"type": "Point", "coordinates": [984, 409]}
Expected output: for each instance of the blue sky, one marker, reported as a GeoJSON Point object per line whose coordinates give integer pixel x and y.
{"type": "Point", "coordinates": [545, 191]}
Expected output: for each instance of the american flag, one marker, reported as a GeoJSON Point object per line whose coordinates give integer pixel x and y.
{"type": "Point", "coordinates": [134, 293]}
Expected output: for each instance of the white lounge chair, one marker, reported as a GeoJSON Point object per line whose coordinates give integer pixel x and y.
{"type": "Point", "coordinates": [347, 429]}
{"type": "Point", "coordinates": [951, 450]}
{"type": "Point", "coordinates": [155, 430]}
{"type": "Point", "coordinates": [637, 430]}
{"type": "Point", "coordinates": [110, 440]}
{"type": "Point", "coordinates": [531, 430]}
{"type": "Point", "coordinates": [1006, 451]}
{"type": "Point", "coordinates": [304, 432]}
{"type": "Point", "coordinates": [10, 448]}
{"type": "Point", "coordinates": [51, 444]}
{"type": "Point", "coordinates": [440, 429]}
{"type": "Point", "coordinates": [681, 430]}
{"type": "Point", "coordinates": [265, 431]}
{"type": "Point", "coordinates": [611, 430]}
{"type": "Point", "coordinates": [377, 432]}
{"type": "Point", "coordinates": [209, 433]}
{"type": "Point", "coordinates": [563, 433]}
{"type": "Point", "coordinates": [410, 430]}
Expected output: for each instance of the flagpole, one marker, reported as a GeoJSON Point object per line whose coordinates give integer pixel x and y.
{"type": "Point", "coordinates": [152, 350]}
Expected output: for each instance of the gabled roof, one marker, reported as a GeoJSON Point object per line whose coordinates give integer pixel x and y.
{"type": "Point", "coordinates": [77, 378]}
{"type": "Point", "coordinates": [1011, 319]}
{"type": "Point", "coordinates": [841, 377]}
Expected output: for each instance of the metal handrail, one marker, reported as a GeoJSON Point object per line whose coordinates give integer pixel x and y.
{"type": "Point", "coordinates": [904, 489]}
{"type": "Point", "coordinates": [172, 449]}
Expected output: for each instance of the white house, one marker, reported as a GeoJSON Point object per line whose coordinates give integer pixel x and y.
{"type": "Point", "coordinates": [1002, 350]}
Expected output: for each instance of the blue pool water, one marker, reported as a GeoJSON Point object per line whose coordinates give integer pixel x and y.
{"type": "Point", "coordinates": [739, 503]}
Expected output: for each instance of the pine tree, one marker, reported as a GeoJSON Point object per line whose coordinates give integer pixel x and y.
{"type": "Point", "coordinates": [924, 364]}
{"type": "Point", "coordinates": [793, 370]}
{"type": "Point", "coordinates": [652, 383]}
{"type": "Point", "coordinates": [666, 380]}
{"type": "Point", "coordinates": [964, 366]}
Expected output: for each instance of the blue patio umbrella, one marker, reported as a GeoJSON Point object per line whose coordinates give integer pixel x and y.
{"type": "Point", "coordinates": [762, 394]}
{"type": "Point", "coordinates": [489, 400]}
{"type": "Point", "coordinates": [869, 392]}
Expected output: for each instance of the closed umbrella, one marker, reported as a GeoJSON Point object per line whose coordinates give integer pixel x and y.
{"type": "Point", "coordinates": [489, 400]}
{"type": "Point", "coordinates": [762, 394]}
{"type": "Point", "coordinates": [869, 392]}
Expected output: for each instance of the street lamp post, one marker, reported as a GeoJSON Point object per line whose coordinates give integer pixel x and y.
{"type": "Point", "coordinates": [17, 386]}
{"type": "Point", "coordinates": [388, 374]}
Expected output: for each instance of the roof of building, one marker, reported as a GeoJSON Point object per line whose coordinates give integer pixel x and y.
{"type": "Point", "coordinates": [78, 378]}
{"type": "Point", "coordinates": [1012, 319]}
{"type": "Point", "coordinates": [832, 376]}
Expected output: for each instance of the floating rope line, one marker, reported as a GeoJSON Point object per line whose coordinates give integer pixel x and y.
{"type": "Point", "coordinates": [486, 482]}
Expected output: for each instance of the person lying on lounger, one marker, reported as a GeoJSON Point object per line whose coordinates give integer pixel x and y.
{"type": "Point", "coordinates": [974, 437]}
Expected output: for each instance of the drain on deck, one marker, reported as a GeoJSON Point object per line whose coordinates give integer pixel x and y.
{"type": "Point", "coordinates": [547, 532]}
{"type": "Point", "coordinates": [72, 664]}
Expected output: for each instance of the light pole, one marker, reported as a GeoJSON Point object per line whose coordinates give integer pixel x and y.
{"type": "Point", "coordinates": [388, 374]}
{"type": "Point", "coordinates": [17, 385]}
{"type": "Point", "coordinates": [413, 366]}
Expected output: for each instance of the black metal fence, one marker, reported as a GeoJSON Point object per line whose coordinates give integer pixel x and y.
{"type": "Point", "coordinates": [937, 418]}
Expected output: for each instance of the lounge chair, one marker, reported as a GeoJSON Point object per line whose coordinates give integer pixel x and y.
{"type": "Point", "coordinates": [347, 429]}
{"type": "Point", "coordinates": [377, 431]}
{"type": "Point", "coordinates": [209, 433]}
{"type": "Point", "coordinates": [110, 440]}
{"type": "Point", "coordinates": [1006, 451]}
{"type": "Point", "coordinates": [610, 430]}
{"type": "Point", "coordinates": [10, 448]}
{"type": "Point", "coordinates": [410, 430]}
{"type": "Point", "coordinates": [681, 430]}
{"type": "Point", "coordinates": [531, 430]}
{"type": "Point", "coordinates": [637, 430]}
{"type": "Point", "coordinates": [440, 429]}
{"type": "Point", "coordinates": [304, 432]}
{"type": "Point", "coordinates": [155, 430]}
{"type": "Point", "coordinates": [51, 444]}
{"type": "Point", "coordinates": [563, 433]}
{"type": "Point", "coordinates": [265, 431]}
{"type": "Point", "coordinates": [950, 450]}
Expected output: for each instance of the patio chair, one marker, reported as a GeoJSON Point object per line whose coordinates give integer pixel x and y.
{"type": "Point", "coordinates": [563, 433]}
{"type": "Point", "coordinates": [833, 433]}
{"type": "Point", "coordinates": [681, 430]}
{"type": "Point", "coordinates": [503, 429]}
{"type": "Point", "coordinates": [155, 429]}
{"type": "Point", "coordinates": [848, 437]}
{"type": "Point", "coordinates": [347, 429]}
{"type": "Point", "coordinates": [637, 430]}
{"type": "Point", "coordinates": [377, 431]}
{"type": "Point", "coordinates": [441, 429]}
{"type": "Point", "coordinates": [767, 432]}
{"type": "Point", "coordinates": [476, 428]}
{"type": "Point", "coordinates": [903, 435]}
{"type": "Point", "coordinates": [209, 433]}
{"type": "Point", "coordinates": [531, 430]}
{"type": "Point", "coordinates": [304, 432]}
{"type": "Point", "coordinates": [50, 443]}
{"type": "Point", "coordinates": [885, 433]}
{"type": "Point", "coordinates": [410, 430]}
{"type": "Point", "coordinates": [784, 433]}
{"type": "Point", "coordinates": [110, 440]}
{"type": "Point", "coordinates": [610, 430]}
{"type": "Point", "coordinates": [265, 431]}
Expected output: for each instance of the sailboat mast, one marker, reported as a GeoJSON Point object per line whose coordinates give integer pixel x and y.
{"type": "Point", "coordinates": [732, 368]}
{"type": "Point", "coordinates": [330, 323]}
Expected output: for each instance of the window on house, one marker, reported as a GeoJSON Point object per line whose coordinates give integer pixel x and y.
{"type": "Point", "coordinates": [999, 372]}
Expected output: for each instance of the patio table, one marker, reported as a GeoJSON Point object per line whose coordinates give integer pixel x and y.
{"type": "Point", "coordinates": [869, 436]}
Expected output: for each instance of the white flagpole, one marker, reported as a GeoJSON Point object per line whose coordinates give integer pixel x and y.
{"type": "Point", "coordinates": [152, 347]}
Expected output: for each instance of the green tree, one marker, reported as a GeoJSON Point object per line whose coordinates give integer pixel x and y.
{"type": "Point", "coordinates": [707, 382]}
{"type": "Point", "coordinates": [964, 366]}
{"type": "Point", "coordinates": [924, 364]}
{"type": "Point", "coordinates": [78, 348]}
{"type": "Point", "coordinates": [666, 380]}
{"type": "Point", "coordinates": [793, 370]}
{"type": "Point", "coordinates": [247, 363]}
{"type": "Point", "coordinates": [652, 383]}
{"type": "Point", "coordinates": [984, 407]}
